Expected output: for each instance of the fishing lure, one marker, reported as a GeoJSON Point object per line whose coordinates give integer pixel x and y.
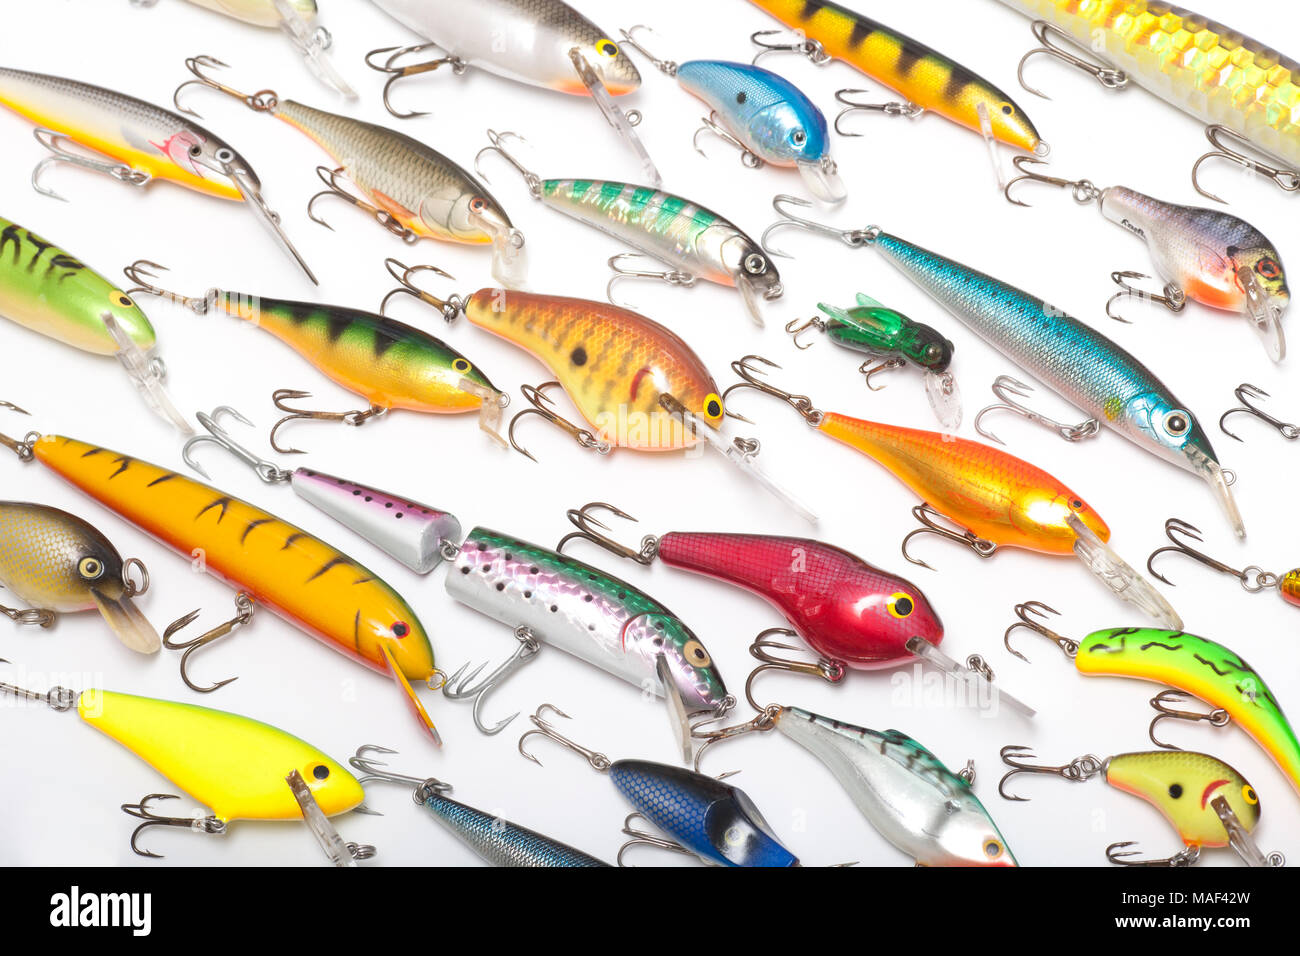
{"type": "Point", "coordinates": [636, 382]}
{"type": "Point", "coordinates": [311, 585]}
{"type": "Point", "coordinates": [1208, 256]}
{"type": "Point", "coordinates": [543, 43]}
{"type": "Point", "coordinates": [1208, 802]}
{"type": "Point", "coordinates": [57, 564]}
{"type": "Point", "coordinates": [764, 115]}
{"type": "Point", "coordinates": [142, 142]}
{"type": "Point", "coordinates": [702, 816]}
{"type": "Point", "coordinates": [1084, 367]}
{"type": "Point", "coordinates": [242, 768]}
{"type": "Point", "coordinates": [497, 842]}
{"type": "Point", "coordinates": [49, 291]}
{"type": "Point", "coordinates": [1253, 578]}
{"type": "Point", "coordinates": [926, 78]}
{"type": "Point", "coordinates": [898, 341]}
{"type": "Point", "coordinates": [1237, 86]}
{"type": "Point", "coordinates": [412, 190]}
{"type": "Point", "coordinates": [390, 364]}
{"type": "Point", "coordinates": [693, 241]}
{"type": "Point", "coordinates": [1195, 665]}
{"type": "Point", "coordinates": [298, 21]}
{"type": "Point", "coordinates": [996, 499]}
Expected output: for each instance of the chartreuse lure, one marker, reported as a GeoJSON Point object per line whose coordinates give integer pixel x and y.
{"type": "Point", "coordinates": [241, 768]}
{"type": "Point", "coordinates": [1208, 802]}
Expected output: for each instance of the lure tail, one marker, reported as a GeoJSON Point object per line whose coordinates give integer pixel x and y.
{"type": "Point", "coordinates": [128, 622]}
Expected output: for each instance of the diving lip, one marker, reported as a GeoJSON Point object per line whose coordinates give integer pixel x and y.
{"type": "Point", "coordinates": [1264, 315]}
{"type": "Point", "coordinates": [1209, 469]}
{"type": "Point", "coordinates": [750, 294]}
{"type": "Point", "coordinates": [509, 261]}
{"type": "Point", "coordinates": [1116, 573]}
{"type": "Point", "coordinates": [823, 180]}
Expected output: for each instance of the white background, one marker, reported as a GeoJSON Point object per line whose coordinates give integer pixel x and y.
{"type": "Point", "coordinates": [926, 180]}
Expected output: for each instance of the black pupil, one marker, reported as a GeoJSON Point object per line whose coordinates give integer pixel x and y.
{"type": "Point", "coordinates": [741, 97]}
{"type": "Point", "coordinates": [1006, 110]}
{"type": "Point", "coordinates": [196, 150]}
{"type": "Point", "coordinates": [713, 408]}
{"type": "Point", "coordinates": [903, 606]}
{"type": "Point", "coordinates": [608, 49]}
{"type": "Point", "coordinates": [400, 629]}
{"type": "Point", "coordinates": [1177, 423]}
{"type": "Point", "coordinates": [1176, 790]}
{"type": "Point", "coordinates": [320, 771]}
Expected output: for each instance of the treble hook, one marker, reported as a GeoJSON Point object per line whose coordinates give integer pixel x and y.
{"type": "Point", "coordinates": [281, 398]}
{"type": "Point", "coordinates": [1010, 390]}
{"type": "Point", "coordinates": [586, 523]}
{"type": "Point", "coordinates": [673, 277]}
{"type": "Point", "coordinates": [802, 45]}
{"type": "Point", "coordinates": [866, 369]}
{"type": "Point", "coordinates": [55, 143]}
{"type": "Point", "coordinates": [544, 728]}
{"type": "Point", "coordinates": [449, 307]}
{"type": "Point", "coordinates": [896, 108]}
{"type": "Point", "coordinates": [263, 101]}
{"type": "Point", "coordinates": [831, 671]}
{"type": "Point", "coordinates": [330, 177]}
{"type": "Point", "coordinates": [531, 179]}
{"type": "Point", "coordinates": [544, 407]}
{"type": "Point", "coordinates": [1016, 755]}
{"type": "Point", "coordinates": [1253, 578]}
{"type": "Point", "coordinates": [750, 372]}
{"type": "Point", "coordinates": [143, 271]}
{"type": "Point", "coordinates": [395, 73]}
{"type": "Point", "coordinates": [1245, 392]}
{"type": "Point", "coordinates": [1171, 296]}
{"type": "Point", "coordinates": [644, 838]}
{"type": "Point", "coordinates": [927, 515]}
{"type": "Point", "coordinates": [850, 237]}
{"type": "Point", "coordinates": [141, 811]}
{"type": "Point", "coordinates": [761, 723]}
{"type": "Point", "coordinates": [711, 124]}
{"type": "Point", "coordinates": [1117, 854]}
{"type": "Point", "coordinates": [244, 610]}
{"type": "Point", "coordinates": [1107, 76]}
{"type": "Point", "coordinates": [667, 67]}
{"type": "Point", "coordinates": [794, 328]}
{"type": "Point", "coordinates": [373, 770]}
{"type": "Point", "coordinates": [1023, 611]}
{"type": "Point", "coordinates": [268, 471]}
{"type": "Point", "coordinates": [1284, 178]}
{"type": "Point", "coordinates": [1217, 717]}
{"type": "Point", "coordinates": [1083, 190]}
{"type": "Point", "coordinates": [528, 648]}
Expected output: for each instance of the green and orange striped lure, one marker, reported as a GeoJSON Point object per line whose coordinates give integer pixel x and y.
{"type": "Point", "coordinates": [924, 76]}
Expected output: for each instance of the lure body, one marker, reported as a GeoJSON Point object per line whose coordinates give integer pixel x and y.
{"type": "Point", "coordinates": [54, 561]}
{"type": "Point", "coordinates": [500, 842]}
{"type": "Point", "coordinates": [523, 40]}
{"type": "Point", "coordinates": [259, 13]}
{"type": "Point", "coordinates": [712, 819]}
{"type": "Point", "coordinates": [903, 790]}
{"type": "Point", "coordinates": [922, 75]}
{"type": "Point", "coordinates": [613, 363]}
{"type": "Point", "coordinates": [585, 612]}
{"type": "Point", "coordinates": [310, 584]}
{"type": "Point", "coordinates": [51, 292]}
{"type": "Point", "coordinates": [233, 764]}
{"type": "Point", "coordinates": [391, 364]}
{"type": "Point", "coordinates": [1204, 669]}
{"type": "Point", "coordinates": [1182, 785]}
{"type": "Point", "coordinates": [164, 144]}
{"type": "Point", "coordinates": [414, 534]}
{"type": "Point", "coordinates": [876, 330]}
{"type": "Point", "coordinates": [1206, 69]}
{"type": "Point", "coordinates": [844, 608]}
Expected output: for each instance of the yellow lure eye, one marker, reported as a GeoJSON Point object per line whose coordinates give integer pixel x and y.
{"type": "Point", "coordinates": [607, 48]}
{"type": "Point", "coordinates": [461, 365]}
{"type": "Point", "coordinates": [993, 849]}
{"type": "Point", "coordinates": [696, 655]}
{"type": "Point", "coordinates": [901, 605]}
{"type": "Point", "coordinates": [122, 300]}
{"type": "Point", "coordinates": [1248, 794]}
{"type": "Point", "coordinates": [713, 405]}
{"type": "Point", "coordinates": [90, 568]}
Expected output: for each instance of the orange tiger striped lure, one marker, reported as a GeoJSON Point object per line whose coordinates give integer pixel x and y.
{"type": "Point", "coordinates": [305, 581]}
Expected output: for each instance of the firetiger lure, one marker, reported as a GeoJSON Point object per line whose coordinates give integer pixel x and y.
{"type": "Point", "coordinates": [57, 563]}
{"type": "Point", "coordinates": [1204, 255]}
{"type": "Point", "coordinates": [996, 499]}
{"type": "Point", "coordinates": [241, 768]}
{"type": "Point", "coordinates": [142, 142]}
{"type": "Point", "coordinates": [50, 291]}
{"type": "Point", "coordinates": [1206, 801]}
{"type": "Point", "coordinates": [1084, 367]}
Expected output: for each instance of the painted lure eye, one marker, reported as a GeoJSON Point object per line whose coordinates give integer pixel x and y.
{"type": "Point", "coordinates": [901, 605]}
{"type": "Point", "coordinates": [1249, 795]}
{"type": "Point", "coordinates": [92, 569]}
{"type": "Point", "coordinates": [1006, 108]}
{"type": "Point", "coordinates": [320, 772]}
{"type": "Point", "coordinates": [798, 137]}
{"type": "Point", "coordinates": [121, 299]}
{"type": "Point", "coordinates": [992, 849]}
{"type": "Point", "coordinates": [755, 264]}
{"type": "Point", "coordinates": [607, 48]}
{"type": "Point", "coordinates": [713, 405]}
{"type": "Point", "coordinates": [461, 365]}
{"type": "Point", "coordinates": [1268, 268]}
{"type": "Point", "coordinates": [1178, 423]}
{"type": "Point", "coordinates": [696, 655]}
{"type": "Point", "coordinates": [477, 204]}
{"type": "Point", "coordinates": [400, 629]}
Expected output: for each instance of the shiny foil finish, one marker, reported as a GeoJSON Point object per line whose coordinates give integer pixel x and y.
{"type": "Point", "coordinates": [904, 791]}
{"type": "Point", "coordinates": [717, 822]}
{"type": "Point", "coordinates": [1289, 587]}
{"type": "Point", "coordinates": [1181, 785]}
{"type": "Point", "coordinates": [502, 843]}
{"type": "Point", "coordinates": [585, 612]}
{"type": "Point", "coordinates": [845, 609]}
{"type": "Point", "coordinates": [413, 533]}
{"type": "Point", "coordinates": [614, 364]}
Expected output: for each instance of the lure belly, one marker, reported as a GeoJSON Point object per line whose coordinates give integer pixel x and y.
{"type": "Point", "coordinates": [922, 75]}
{"type": "Point", "coordinates": [903, 790]}
{"type": "Point", "coordinates": [613, 363]}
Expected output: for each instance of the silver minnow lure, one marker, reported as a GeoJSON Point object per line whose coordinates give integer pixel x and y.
{"type": "Point", "coordinates": [916, 803]}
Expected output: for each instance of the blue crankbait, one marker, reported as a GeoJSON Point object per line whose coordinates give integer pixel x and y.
{"type": "Point", "coordinates": [764, 115]}
{"type": "Point", "coordinates": [702, 816]}
{"type": "Point", "coordinates": [1087, 369]}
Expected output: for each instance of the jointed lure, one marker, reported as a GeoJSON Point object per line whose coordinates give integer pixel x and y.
{"type": "Point", "coordinates": [1205, 255]}
{"type": "Point", "coordinates": [57, 563]}
{"type": "Point", "coordinates": [897, 342]}
{"type": "Point", "coordinates": [693, 241]}
{"type": "Point", "coordinates": [1236, 85]}
{"type": "Point", "coordinates": [1208, 802]}
{"type": "Point", "coordinates": [242, 768]}
{"type": "Point", "coordinates": [1194, 665]}
{"type": "Point", "coordinates": [143, 142]}
{"type": "Point", "coordinates": [1253, 578]}
{"type": "Point", "coordinates": [498, 842]}
{"type": "Point", "coordinates": [764, 115]}
{"type": "Point", "coordinates": [544, 43]}
{"type": "Point", "coordinates": [390, 364]}
{"type": "Point", "coordinates": [1084, 367]}
{"type": "Point", "coordinates": [49, 291]}
{"type": "Point", "coordinates": [412, 190]}
{"type": "Point", "coordinates": [996, 499]}
{"type": "Point", "coordinates": [305, 581]}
